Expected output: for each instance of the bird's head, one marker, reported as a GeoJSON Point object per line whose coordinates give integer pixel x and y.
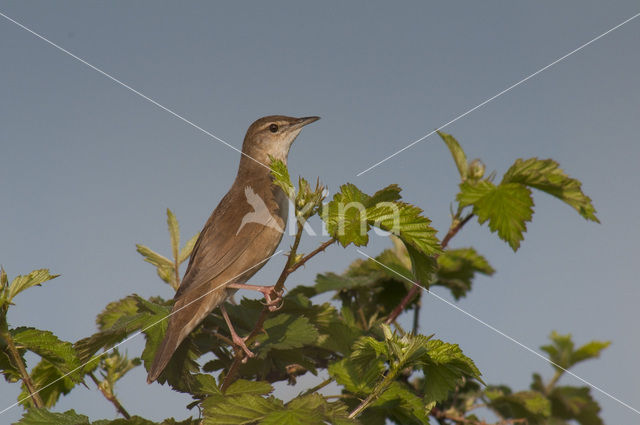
{"type": "Point", "coordinates": [273, 135]}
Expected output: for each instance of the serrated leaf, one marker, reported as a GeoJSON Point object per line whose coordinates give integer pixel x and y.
{"type": "Point", "coordinates": [507, 207]}
{"type": "Point", "coordinates": [150, 256]}
{"type": "Point", "coordinates": [402, 406]}
{"type": "Point", "coordinates": [458, 267]}
{"type": "Point", "coordinates": [562, 351]}
{"type": "Point", "coordinates": [356, 380]}
{"type": "Point", "coordinates": [281, 178]}
{"type": "Point", "coordinates": [174, 232]}
{"type": "Point", "coordinates": [590, 350]}
{"type": "Point", "coordinates": [44, 417]}
{"type": "Point", "coordinates": [242, 386]}
{"type": "Point", "coordinates": [531, 405]}
{"type": "Point", "coordinates": [115, 310]}
{"type": "Point", "coordinates": [60, 354]}
{"type": "Point", "coordinates": [546, 175]}
{"type": "Point", "coordinates": [186, 250]}
{"type": "Point", "coordinates": [458, 154]}
{"type": "Point", "coordinates": [446, 366]}
{"type": "Point", "coordinates": [575, 403]}
{"type": "Point", "coordinates": [407, 222]}
{"type": "Point", "coordinates": [346, 217]}
{"type": "Point", "coordinates": [238, 410]}
{"type": "Point", "coordinates": [285, 331]}
{"type": "Point", "coordinates": [22, 282]}
{"type": "Point", "coordinates": [293, 417]}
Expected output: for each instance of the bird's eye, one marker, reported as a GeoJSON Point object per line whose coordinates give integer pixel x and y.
{"type": "Point", "coordinates": [273, 128]}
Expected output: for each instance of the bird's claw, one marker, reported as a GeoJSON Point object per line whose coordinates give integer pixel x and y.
{"type": "Point", "coordinates": [273, 304]}
{"type": "Point", "coordinates": [241, 344]}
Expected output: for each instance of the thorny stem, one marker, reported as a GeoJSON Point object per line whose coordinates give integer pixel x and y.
{"type": "Point", "coordinates": [110, 396]}
{"type": "Point", "coordinates": [377, 391]}
{"type": "Point", "coordinates": [317, 387]}
{"type": "Point", "coordinates": [415, 289]}
{"type": "Point", "coordinates": [291, 266]}
{"type": "Point", "coordinates": [17, 360]}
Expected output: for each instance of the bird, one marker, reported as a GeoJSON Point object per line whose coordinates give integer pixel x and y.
{"type": "Point", "coordinates": [260, 214]}
{"type": "Point", "coordinates": [237, 239]}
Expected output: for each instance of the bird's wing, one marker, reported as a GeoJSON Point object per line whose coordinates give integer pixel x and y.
{"type": "Point", "coordinates": [218, 245]}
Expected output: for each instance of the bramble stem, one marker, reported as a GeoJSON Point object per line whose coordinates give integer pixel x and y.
{"type": "Point", "coordinates": [110, 396]}
{"type": "Point", "coordinates": [17, 360]}
{"type": "Point", "coordinates": [415, 290]}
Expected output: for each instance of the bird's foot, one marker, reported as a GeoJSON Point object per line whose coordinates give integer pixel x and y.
{"type": "Point", "coordinates": [241, 344]}
{"type": "Point", "coordinates": [271, 302]}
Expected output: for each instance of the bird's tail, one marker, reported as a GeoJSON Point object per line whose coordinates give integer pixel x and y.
{"type": "Point", "coordinates": [164, 353]}
{"type": "Point", "coordinates": [188, 311]}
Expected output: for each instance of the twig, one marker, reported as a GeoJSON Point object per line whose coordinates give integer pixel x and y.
{"type": "Point", "coordinates": [307, 257]}
{"type": "Point", "coordinates": [377, 391]}
{"type": "Point", "coordinates": [110, 396]}
{"type": "Point", "coordinates": [317, 387]}
{"type": "Point", "coordinates": [291, 266]}
{"type": "Point", "coordinates": [17, 360]}
{"type": "Point", "coordinates": [553, 381]}
{"type": "Point", "coordinates": [415, 290]}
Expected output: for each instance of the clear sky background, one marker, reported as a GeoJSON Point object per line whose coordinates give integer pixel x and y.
{"type": "Point", "coordinates": [87, 168]}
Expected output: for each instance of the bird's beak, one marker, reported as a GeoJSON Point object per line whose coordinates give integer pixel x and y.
{"type": "Point", "coordinates": [301, 122]}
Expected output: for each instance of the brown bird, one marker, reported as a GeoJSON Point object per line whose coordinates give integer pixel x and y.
{"type": "Point", "coordinates": [243, 231]}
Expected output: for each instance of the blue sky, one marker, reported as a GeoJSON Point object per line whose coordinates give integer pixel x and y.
{"type": "Point", "coordinates": [87, 168]}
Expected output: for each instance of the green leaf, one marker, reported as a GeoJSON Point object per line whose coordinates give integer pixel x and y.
{"type": "Point", "coordinates": [22, 282]}
{"type": "Point", "coordinates": [114, 311]}
{"type": "Point", "coordinates": [356, 379]}
{"type": "Point", "coordinates": [407, 222]}
{"type": "Point", "coordinates": [402, 406]}
{"type": "Point", "coordinates": [44, 417]}
{"type": "Point", "coordinates": [285, 331]}
{"type": "Point", "coordinates": [458, 154]}
{"type": "Point", "coordinates": [281, 178]}
{"type": "Point", "coordinates": [446, 366]}
{"type": "Point", "coordinates": [590, 350]}
{"type": "Point", "coordinates": [150, 256]}
{"type": "Point", "coordinates": [575, 403]}
{"type": "Point", "coordinates": [458, 267]}
{"type": "Point", "coordinates": [531, 405]}
{"type": "Point", "coordinates": [546, 175]}
{"type": "Point", "coordinates": [242, 386]}
{"type": "Point", "coordinates": [346, 216]}
{"type": "Point", "coordinates": [186, 250]}
{"type": "Point", "coordinates": [238, 410]}
{"type": "Point", "coordinates": [293, 417]}
{"type": "Point", "coordinates": [507, 207]}
{"type": "Point", "coordinates": [174, 232]}
{"type": "Point", "coordinates": [60, 354]}
{"type": "Point", "coordinates": [562, 352]}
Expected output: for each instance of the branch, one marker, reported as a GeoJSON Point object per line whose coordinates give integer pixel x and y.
{"type": "Point", "coordinates": [290, 266]}
{"type": "Point", "coordinates": [110, 396]}
{"type": "Point", "coordinates": [415, 290]}
{"type": "Point", "coordinates": [17, 360]}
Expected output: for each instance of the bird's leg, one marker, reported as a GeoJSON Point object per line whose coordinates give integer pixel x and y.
{"type": "Point", "coordinates": [273, 303]}
{"type": "Point", "coordinates": [237, 340]}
